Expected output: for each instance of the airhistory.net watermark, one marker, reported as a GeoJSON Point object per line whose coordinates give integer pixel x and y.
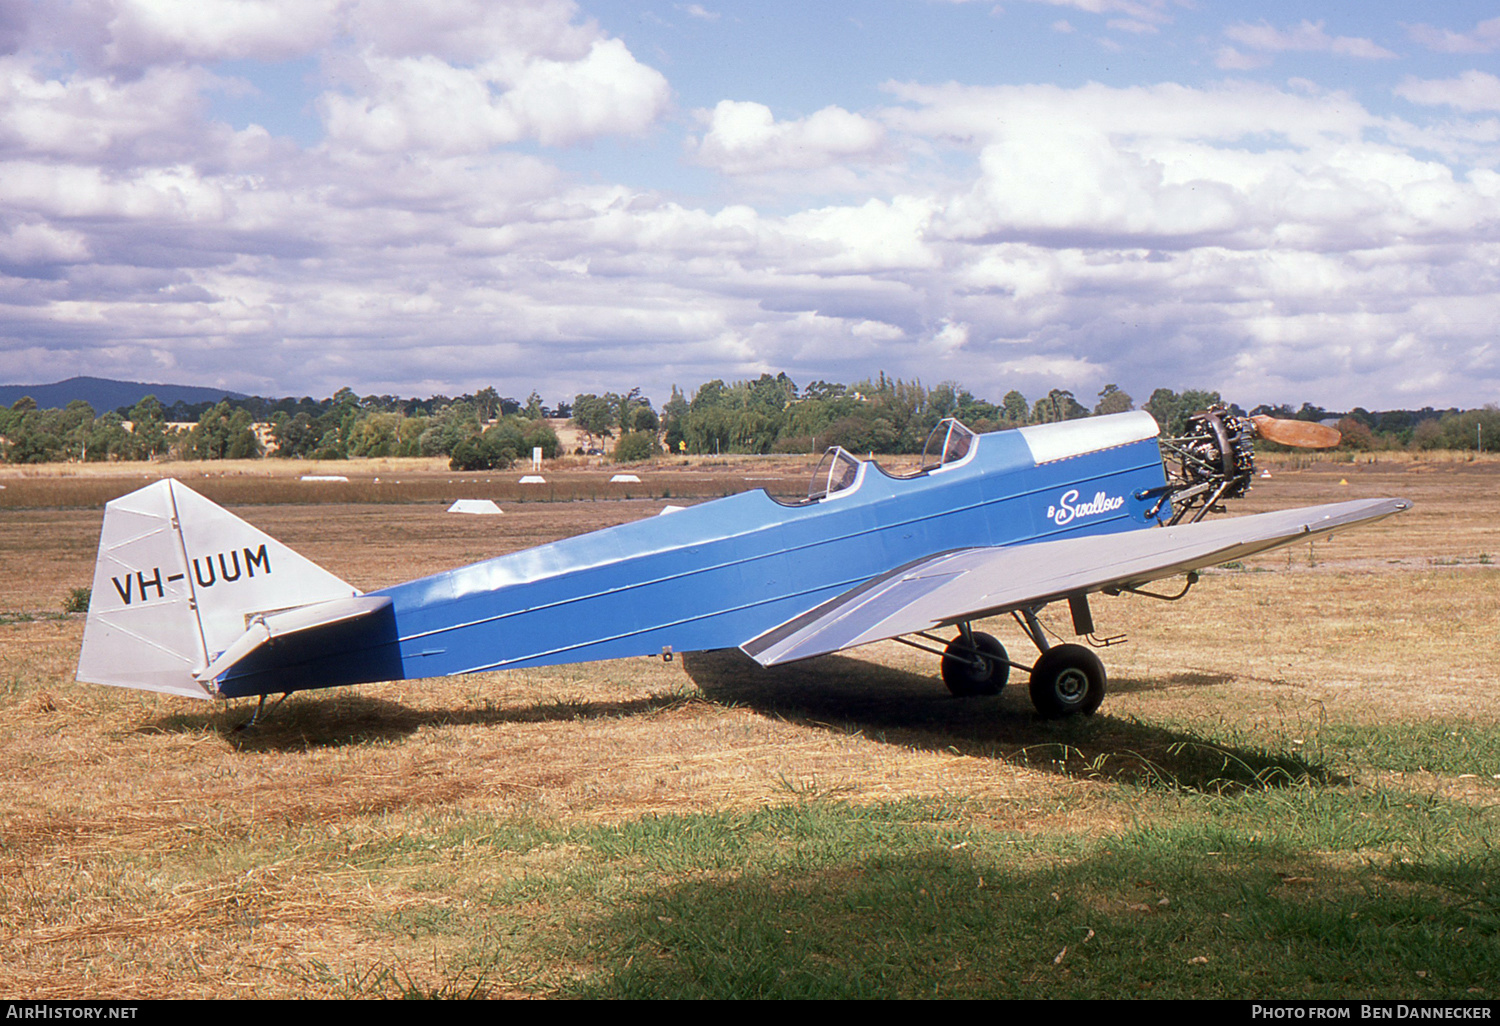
{"type": "Point", "coordinates": [51, 1010]}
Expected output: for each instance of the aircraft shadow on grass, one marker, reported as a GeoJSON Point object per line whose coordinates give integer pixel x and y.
{"type": "Point", "coordinates": [898, 707]}
{"type": "Point", "coordinates": [316, 719]}
{"type": "Point", "coordinates": [839, 693]}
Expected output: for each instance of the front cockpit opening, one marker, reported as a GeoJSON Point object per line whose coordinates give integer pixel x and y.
{"type": "Point", "coordinates": [837, 471]}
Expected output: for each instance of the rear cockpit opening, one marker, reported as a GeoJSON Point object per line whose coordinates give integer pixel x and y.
{"type": "Point", "coordinates": [949, 442]}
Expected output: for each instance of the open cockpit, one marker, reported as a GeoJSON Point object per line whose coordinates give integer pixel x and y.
{"type": "Point", "coordinates": [838, 471]}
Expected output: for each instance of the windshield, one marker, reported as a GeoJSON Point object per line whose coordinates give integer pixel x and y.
{"type": "Point", "coordinates": [836, 472]}
{"type": "Point", "coordinates": [949, 442]}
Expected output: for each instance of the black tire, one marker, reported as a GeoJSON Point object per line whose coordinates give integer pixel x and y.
{"type": "Point", "coordinates": [1067, 679]}
{"type": "Point", "coordinates": [964, 678]}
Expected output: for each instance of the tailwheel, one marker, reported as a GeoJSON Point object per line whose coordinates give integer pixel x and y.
{"type": "Point", "coordinates": [980, 668]}
{"type": "Point", "coordinates": [1067, 679]}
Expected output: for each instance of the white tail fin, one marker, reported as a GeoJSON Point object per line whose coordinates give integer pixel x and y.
{"type": "Point", "coordinates": [176, 581]}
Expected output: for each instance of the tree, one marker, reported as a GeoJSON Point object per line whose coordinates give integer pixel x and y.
{"type": "Point", "coordinates": [1057, 405]}
{"type": "Point", "coordinates": [108, 439]}
{"type": "Point", "coordinates": [498, 448]}
{"type": "Point", "coordinates": [148, 428]}
{"type": "Point", "coordinates": [453, 424]}
{"type": "Point", "coordinates": [242, 442]}
{"type": "Point", "coordinates": [594, 415]}
{"type": "Point", "coordinates": [223, 432]}
{"type": "Point", "coordinates": [295, 436]}
{"type": "Point", "coordinates": [644, 418]}
{"type": "Point", "coordinates": [1355, 434]}
{"type": "Point", "coordinates": [74, 425]}
{"type": "Point", "coordinates": [33, 435]}
{"type": "Point", "coordinates": [635, 446]}
{"type": "Point", "coordinates": [673, 418]}
{"type": "Point", "coordinates": [1172, 410]}
{"type": "Point", "coordinates": [1015, 407]}
{"type": "Point", "coordinates": [1112, 400]}
{"type": "Point", "coordinates": [487, 403]}
{"type": "Point", "coordinates": [539, 435]}
{"type": "Point", "coordinates": [710, 394]}
{"type": "Point", "coordinates": [626, 405]}
{"type": "Point", "coordinates": [377, 434]}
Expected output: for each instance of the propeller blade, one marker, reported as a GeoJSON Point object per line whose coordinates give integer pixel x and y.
{"type": "Point", "coordinates": [1300, 434]}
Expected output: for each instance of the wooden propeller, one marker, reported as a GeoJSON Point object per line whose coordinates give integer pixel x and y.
{"type": "Point", "coordinates": [1301, 434]}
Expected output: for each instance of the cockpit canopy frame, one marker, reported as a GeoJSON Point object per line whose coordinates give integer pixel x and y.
{"type": "Point", "coordinates": [948, 442]}
{"type": "Point", "coordinates": [837, 471]}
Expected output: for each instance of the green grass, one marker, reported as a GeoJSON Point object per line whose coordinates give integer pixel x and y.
{"type": "Point", "coordinates": [1306, 891]}
{"type": "Point", "coordinates": [1260, 873]}
{"type": "Point", "coordinates": [14, 616]}
{"type": "Point", "coordinates": [1438, 746]}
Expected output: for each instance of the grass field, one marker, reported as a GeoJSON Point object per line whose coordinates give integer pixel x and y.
{"type": "Point", "coordinates": [1291, 790]}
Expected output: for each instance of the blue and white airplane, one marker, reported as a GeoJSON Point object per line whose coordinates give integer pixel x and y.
{"type": "Point", "coordinates": [191, 600]}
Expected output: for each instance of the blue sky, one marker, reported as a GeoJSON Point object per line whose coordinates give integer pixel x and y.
{"type": "Point", "coordinates": [288, 197]}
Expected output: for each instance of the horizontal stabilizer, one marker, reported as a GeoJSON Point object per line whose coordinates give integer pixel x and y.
{"type": "Point", "coordinates": [342, 641]}
{"type": "Point", "coordinates": [968, 584]}
{"type": "Point", "coordinates": [272, 627]}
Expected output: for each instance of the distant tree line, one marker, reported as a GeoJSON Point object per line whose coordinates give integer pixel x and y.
{"type": "Point", "coordinates": [770, 414]}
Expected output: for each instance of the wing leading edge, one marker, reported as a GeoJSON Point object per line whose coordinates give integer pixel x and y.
{"type": "Point", "coordinates": [967, 584]}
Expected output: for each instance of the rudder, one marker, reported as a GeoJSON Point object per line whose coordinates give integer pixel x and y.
{"type": "Point", "coordinates": [176, 581]}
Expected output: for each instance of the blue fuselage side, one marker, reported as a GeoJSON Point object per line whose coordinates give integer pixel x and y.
{"type": "Point", "coordinates": [717, 574]}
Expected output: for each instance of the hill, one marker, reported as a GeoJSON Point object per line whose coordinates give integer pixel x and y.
{"type": "Point", "coordinates": [104, 394]}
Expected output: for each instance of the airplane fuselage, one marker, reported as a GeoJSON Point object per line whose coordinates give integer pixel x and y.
{"type": "Point", "coordinates": [717, 574]}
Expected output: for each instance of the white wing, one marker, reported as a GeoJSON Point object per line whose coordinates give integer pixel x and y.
{"type": "Point", "coordinates": [967, 584]}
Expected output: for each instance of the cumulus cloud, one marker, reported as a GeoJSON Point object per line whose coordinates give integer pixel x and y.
{"type": "Point", "coordinates": [1282, 243]}
{"type": "Point", "coordinates": [1484, 38]}
{"type": "Point", "coordinates": [143, 32]}
{"type": "Point", "coordinates": [1230, 59]}
{"type": "Point", "coordinates": [1133, 25]}
{"type": "Point", "coordinates": [1306, 36]}
{"type": "Point", "coordinates": [428, 103]}
{"type": "Point", "coordinates": [875, 236]}
{"type": "Point", "coordinates": [1139, 10]}
{"type": "Point", "coordinates": [980, 114]}
{"type": "Point", "coordinates": [95, 117]}
{"type": "Point", "coordinates": [745, 138]}
{"type": "Point", "coordinates": [1471, 91]}
{"type": "Point", "coordinates": [41, 245]}
{"type": "Point", "coordinates": [472, 31]}
{"type": "Point", "coordinates": [1150, 221]}
{"type": "Point", "coordinates": [1176, 167]}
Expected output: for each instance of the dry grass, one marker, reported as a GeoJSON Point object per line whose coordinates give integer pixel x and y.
{"type": "Point", "coordinates": [393, 480]}
{"type": "Point", "coordinates": [149, 850]}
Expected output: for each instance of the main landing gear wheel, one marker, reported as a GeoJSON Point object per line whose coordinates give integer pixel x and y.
{"type": "Point", "coordinates": [981, 670]}
{"type": "Point", "coordinates": [1067, 679]}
